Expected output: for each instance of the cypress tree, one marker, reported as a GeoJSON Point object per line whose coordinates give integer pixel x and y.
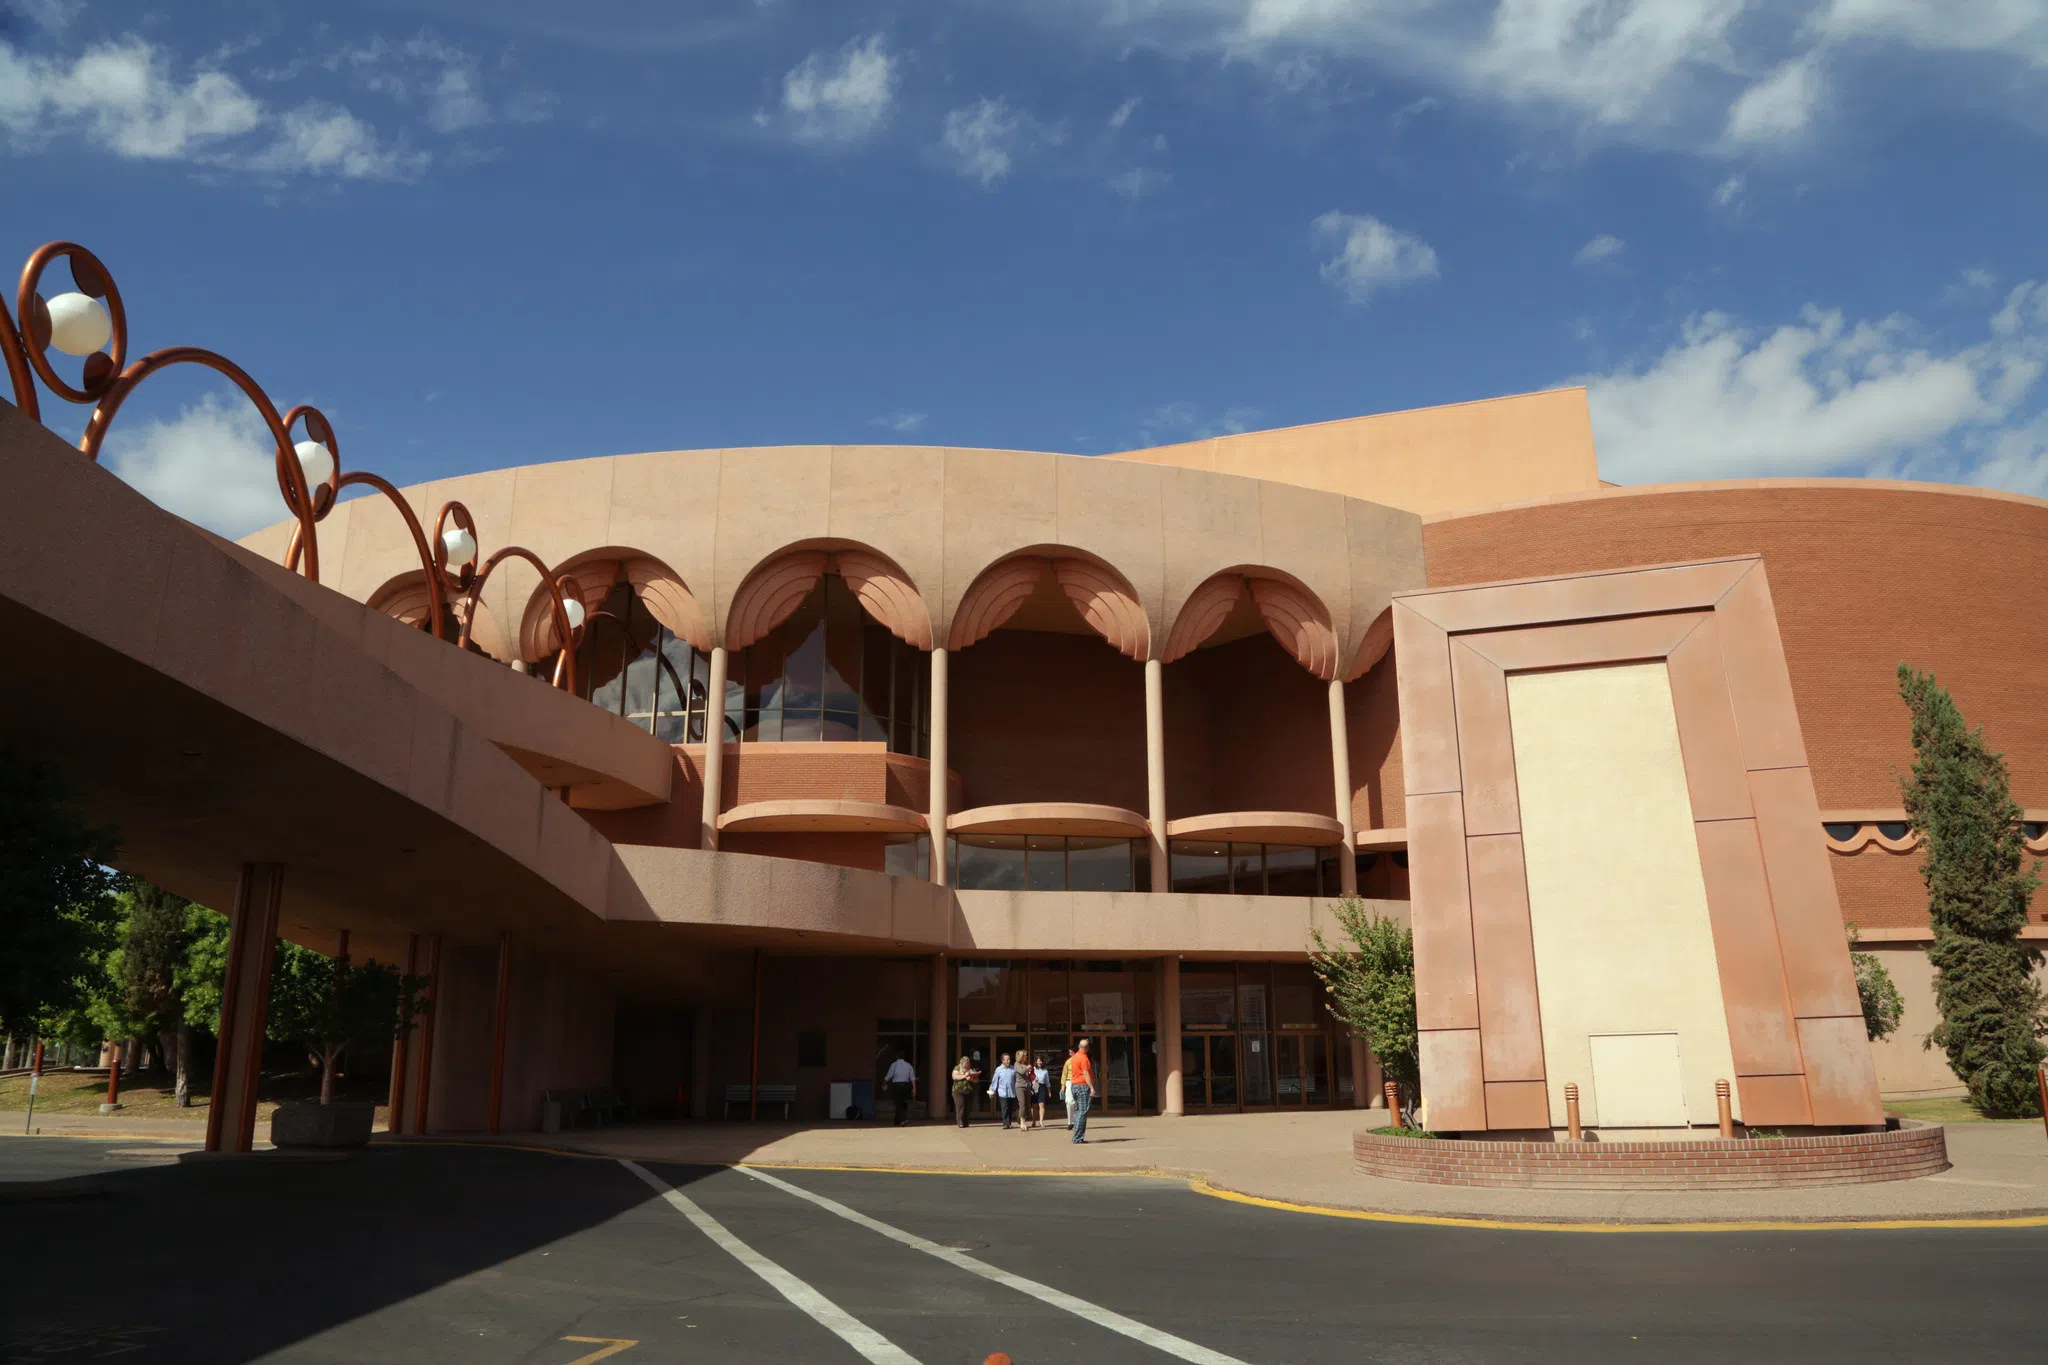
{"type": "Point", "coordinates": [1959, 796]}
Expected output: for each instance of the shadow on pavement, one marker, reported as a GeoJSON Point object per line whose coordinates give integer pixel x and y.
{"type": "Point", "coordinates": [227, 1260]}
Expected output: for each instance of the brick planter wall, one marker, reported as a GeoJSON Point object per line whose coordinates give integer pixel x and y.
{"type": "Point", "coordinates": [1740, 1164]}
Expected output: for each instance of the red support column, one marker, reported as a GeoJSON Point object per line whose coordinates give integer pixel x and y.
{"type": "Point", "coordinates": [396, 1103]}
{"type": "Point", "coordinates": [419, 1103]}
{"type": "Point", "coordinates": [113, 1101]}
{"type": "Point", "coordinates": [491, 1124]}
{"type": "Point", "coordinates": [244, 1006]}
{"type": "Point", "coordinates": [754, 1056]}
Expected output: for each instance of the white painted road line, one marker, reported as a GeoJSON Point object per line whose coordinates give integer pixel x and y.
{"type": "Point", "coordinates": [872, 1345]}
{"type": "Point", "coordinates": [1172, 1345]}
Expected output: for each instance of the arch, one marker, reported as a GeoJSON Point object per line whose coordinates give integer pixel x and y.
{"type": "Point", "coordinates": [591, 576]}
{"type": "Point", "coordinates": [407, 598]}
{"type": "Point", "coordinates": [886, 593]}
{"type": "Point", "coordinates": [1293, 615]}
{"type": "Point", "coordinates": [1104, 599]}
{"type": "Point", "coordinates": [774, 590]}
{"type": "Point", "coordinates": [1379, 639]}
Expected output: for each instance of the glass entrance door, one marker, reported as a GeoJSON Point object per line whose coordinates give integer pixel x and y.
{"type": "Point", "coordinates": [1209, 1071]}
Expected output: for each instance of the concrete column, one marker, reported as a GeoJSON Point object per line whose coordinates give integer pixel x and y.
{"type": "Point", "coordinates": [424, 1071]}
{"type": "Point", "coordinates": [700, 1064]}
{"type": "Point", "coordinates": [1170, 1099]}
{"type": "Point", "coordinates": [1362, 1088]}
{"type": "Point", "coordinates": [936, 801]}
{"type": "Point", "coordinates": [500, 1016]}
{"type": "Point", "coordinates": [714, 750]}
{"type": "Point", "coordinates": [244, 1006]}
{"type": "Point", "coordinates": [1340, 766]}
{"type": "Point", "coordinates": [1155, 770]}
{"type": "Point", "coordinates": [395, 1104]}
{"type": "Point", "coordinates": [939, 1058]}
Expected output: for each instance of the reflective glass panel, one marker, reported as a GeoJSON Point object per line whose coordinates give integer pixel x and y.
{"type": "Point", "coordinates": [1247, 870]}
{"type": "Point", "coordinates": [1046, 868]}
{"type": "Point", "coordinates": [1099, 864]}
{"type": "Point", "coordinates": [991, 862]}
{"type": "Point", "coordinates": [1292, 871]}
{"type": "Point", "coordinates": [1200, 866]}
{"type": "Point", "coordinates": [1207, 999]}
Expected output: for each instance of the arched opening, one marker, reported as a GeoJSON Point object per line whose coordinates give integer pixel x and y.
{"type": "Point", "coordinates": [830, 672]}
{"type": "Point", "coordinates": [632, 665]}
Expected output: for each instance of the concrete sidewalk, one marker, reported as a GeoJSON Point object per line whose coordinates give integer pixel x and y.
{"type": "Point", "coordinates": [1999, 1170]}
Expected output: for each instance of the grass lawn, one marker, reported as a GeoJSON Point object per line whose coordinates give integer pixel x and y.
{"type": "Point", "coordinates": [1947, 1109]}
{"type": "Point", "coordinates": [151, 1096]}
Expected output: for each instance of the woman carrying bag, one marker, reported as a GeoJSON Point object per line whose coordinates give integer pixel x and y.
{"type": "Point", "coordinates": [963, 1089]}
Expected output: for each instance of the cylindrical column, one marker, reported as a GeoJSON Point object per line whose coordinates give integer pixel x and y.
{"type": "Point", "coordinates": [939, 1060]}
{"type": "Point", "coordinates": [1340, 767]}
{"type": "Point", "coordinates": [113, 1100]}
{"type": "Point", "coordinates": [1571, 1110]}
{"type": "Point", "coordinates": [1362, 1088]}
{"type": "Point", "coordinates": [395, 1104]}
{"type": "Point", "coordinates": [1724, 1109]}
{"type": "Point", "coordinates": [937, 802]}
{"type": "Point", "coordinates": [714, 750]}
{"type": "Point", "coordinates": [499, 1019]}
{"type": "Point", "coordinates": [426, 1068]}
{"type": "Point", "coordinates": [1171, 1100]}
{"type": "Point", "coordinates": [1155, 770]}
{"type": "Point", "coordinates": [1393, 1093]}
{"type": "Point", "coordinates": [244, 1005]}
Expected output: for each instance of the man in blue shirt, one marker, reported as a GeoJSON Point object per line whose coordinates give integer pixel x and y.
{"type": "Point", "coordinates": [1003, 1085]}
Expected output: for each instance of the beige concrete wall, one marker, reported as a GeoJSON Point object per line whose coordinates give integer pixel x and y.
{"type": "Point", "coordinates": [1904, 1067]}
{"type": "Point", "coordinates": [1426, 460]}
{"type": "Point", "coordinates": [1617, 899]}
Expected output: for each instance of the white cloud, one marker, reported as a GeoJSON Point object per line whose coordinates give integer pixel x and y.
{"type": "Point", "coordinates": [1605, 247]}
{"type": "Point", "coordinates": [1372, 256]}
{"type": "Point", "coordinates": [1825, 395]}
{"type": "Point", "coordinates": [902, 422]}
{"type": "Point", "coordinates": [1170, 423]}
{"type": "Point", "coordinates": [326, 140]}
{"type": "Point", "coordinates": [1139, 181]}
{"type": "Point", "coordinates": [1122, 113]}
{"type": "Point", "coordinates": [1777, 107]}
{"type": "Point", "coordinates": [842, 96]}
{"type": "Point", "coordinates": [983, 140]}
{"type": "Point", "coordinates": [1728, 194]}
{"type": "Point", "coordinates": [212, 464]}
{"type": "Point", "coordinates": [2016, 28]}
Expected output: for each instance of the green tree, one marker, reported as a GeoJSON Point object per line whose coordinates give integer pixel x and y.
{"type": "Point", "coordinates": [1883, 1006]}
{"type": "Point", "coordinates": [1959, 796]}
{"type": "Point", "coordinates": [1371, 983]}
{"type": "Point", "coordinates": [57, 911]}
{"type": "Point", "coordinates": [153, 959]}
{"type": "Point", "coordinates": [327, 1005]}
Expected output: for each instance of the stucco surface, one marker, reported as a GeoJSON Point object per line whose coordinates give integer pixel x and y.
{"type": "Point", "coordinates": [1617, 901]}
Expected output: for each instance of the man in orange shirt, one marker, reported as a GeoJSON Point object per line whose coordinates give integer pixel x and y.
{"type": "Point", "coordinates": [1083, 1084]}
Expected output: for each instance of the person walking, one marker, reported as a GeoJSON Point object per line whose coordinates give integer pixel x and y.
{"type": "Point", "coordinates": [1067, 1085]}
{"type": "Point", "coordinates": [1003, 1085]}
{"type": "Point", "coordinates": [901, 1078]}
{"type": "Point", "coordinates": [963, 1089]}
{"type": "Point", "coordinates": [1083, 1088]}
{"type": "Point", "coordinates": [1041, 1089]}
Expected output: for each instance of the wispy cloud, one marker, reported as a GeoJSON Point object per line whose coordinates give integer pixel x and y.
{"type": "Point", "coordinates": [984, 140]}
{"type": "Point", "coordinates": [212, 464]}
{"type": "Point", "coordinates": [1171, 423]}
{"type": "Point", "coordinates": [1371, 256]}
{"type": "Point", "coordinates": [842, 96]}
{"type": "Point", "coordinates": [1605, 247]}
{"type": "Point", "coordinates": [902, 423]}
{"type": "Point", "coordinates": [1140, 181]}
{"type": "Point", "coordinates": [1122, 113]}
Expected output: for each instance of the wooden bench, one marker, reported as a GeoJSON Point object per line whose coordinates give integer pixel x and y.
{"type": "Point", "coordinates": [772, 1096]}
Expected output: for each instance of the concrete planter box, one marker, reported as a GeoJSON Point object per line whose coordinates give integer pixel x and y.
{"type": "Point", "coordinates": [309, 1124]}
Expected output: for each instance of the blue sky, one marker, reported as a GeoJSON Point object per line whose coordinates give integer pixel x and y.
{"type": "Point", "coordinates": [1798, 238]}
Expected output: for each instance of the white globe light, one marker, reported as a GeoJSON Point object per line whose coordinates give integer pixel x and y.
{"type": "Point", "coordinates": [317, 462]}
{"type": "Point", "coordinates": [459, 545]}
{"type": "Point", "coordinates": [79, 324]}
{"type": "Point", "coordinates": [572, 607]}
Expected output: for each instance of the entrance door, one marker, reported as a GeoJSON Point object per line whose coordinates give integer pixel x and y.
{"type": "Point", "coordinates": [1302, 1062]}
{"type": "Point", "coordinates": [1118, 1067]}
{"type": "Point", "coordinates": [1209, 1070]}
{"type": "Point", "coordinates": [1223, 1071]}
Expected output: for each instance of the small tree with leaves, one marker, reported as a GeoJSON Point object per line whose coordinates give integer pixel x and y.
{"type": "Point", "coordinates": [1958, 795]}
{"type": "Point", "coordinates": [58, 919]}
{"type": "Point", "coordinates": [327, 1005]}
{"type": "Point", "coordinates": [1370, 979]}
{"type": "Point", "coordinates": [1883, 1006]}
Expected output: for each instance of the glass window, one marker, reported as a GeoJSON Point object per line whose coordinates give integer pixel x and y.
{"type": "Point", "coordinates": [830, 673]}
{"type": "Point", "coordinates": [1297, 996]}
{"type": "Point", "coordinates": [905, 856]}
{"type": "Point", "coordinates": [990, 862]}
{"type": "Point", "coordinates": [1207, 999]}
{"type": "Point", "coordinates": [1046, 865]}
{"type": "Point", "coordinates": [1841, 831]}
{"type": "Point", "coordinates": [1247, 870]}
{"type": "Point", "coordinates": [1099, 864]}
{"type": "Point", "coordinates": [1106, 995]}
{"type": "Point", "coordinates": [1048, 991]}
{"type": "Point", "coordinates": [990, 992]}
{"type": "Point", "coordinates": [1893, 829]}
{"type": "Point", "coordinates": [1292, 871]}
{"type": "Point", "coordinates": [1200, 866]}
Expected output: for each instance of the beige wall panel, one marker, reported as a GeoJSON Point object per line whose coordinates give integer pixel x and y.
{"type": "Point", "coordinates": [1818, 976]}
{"type": "Point", "coordinates": [1517, 1104]}
{"type": "Point", "coordinates": [997, 502]}
{"type": "Point", "coordinates": [1454, 1093]}
{"type": "Point", "coordinates": [893, 498]}
{"type": "Point", "coordinates": [557, 508]}
{"type": "Point", "coordinates": [665, 504]}
{"type": "Point", "coordinates": [1638, 1081]}
{"type": "Point", "coordinates": [1486, 747]}
{"type": "Point", "coordinates": [1211, 523]}
{"type": "Point", "coordinates": [1429, 721]}
{"type": "Point", "coordinates": [1617, 900]}
{"type": "Point", "coordinates": [1510, 1022]}
{"type": "Point", "coordinates": [1841, 1079]}
{"type": "Point", "coordinates": [1446, 982]}
{"type": "Point", "coordinates": [1584, 597]}
{"type": "Point", "coordinates": [1904, 1067]}
{"type": "Point", "coordinates": [1113, 511]}
{"type": "Point", "coordinates": [1305, 535]}
{"type": "Point", "coordinates": [767, 500]}
{"type": "Point", "coordinates": [1386, 558]}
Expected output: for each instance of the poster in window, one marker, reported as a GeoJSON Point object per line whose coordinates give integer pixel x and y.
{"type": "Point", "coordinates": [1103, 1010]}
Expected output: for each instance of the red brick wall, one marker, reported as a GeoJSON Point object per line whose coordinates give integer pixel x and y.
{"type": "Point", "coordinates": [1862, 578]}
{"type": "Point", "coordinates": [1741, 1164]}
{"type": "Point", "coordinates": [1044, 716]}
{"type": "Point", "coordinates": [1247, 728]}
{"type": "Point", "coordinates": [1372, 718]}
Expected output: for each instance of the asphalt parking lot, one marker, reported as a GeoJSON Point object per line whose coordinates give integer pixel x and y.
{"type": "Point", "coordinates": [460, 1254]}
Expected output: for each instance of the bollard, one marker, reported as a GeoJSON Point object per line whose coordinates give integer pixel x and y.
{"type": "Point", "coordinates": [1571, 1110]}
{"type": "Point", "coordinates": [1724, 1109]}
{"type": "Point", "coordinates": [2040, 1079]}
{"type": "Point", "coordinates": [999, 1358]}
{"type": "Point", "coordinates": [35, 1077]}
{"type": "Point", "coordinates": [1394, 1104]}
{"type": "Point", "coordinates": [113, 1084]}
